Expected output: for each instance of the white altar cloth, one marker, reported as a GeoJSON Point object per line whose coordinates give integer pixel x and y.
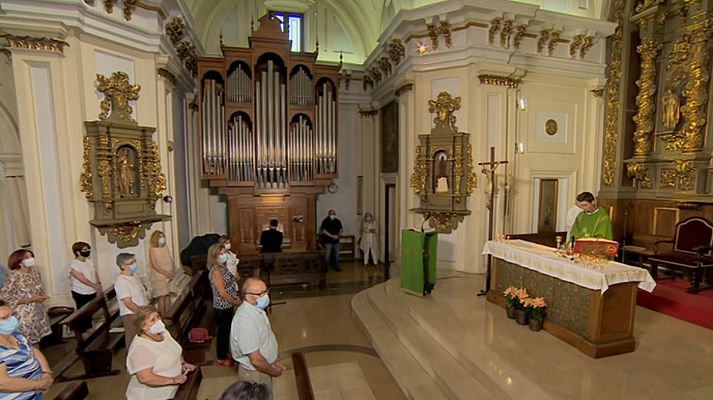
{"type": "Point", "coordinates": [545, 260]}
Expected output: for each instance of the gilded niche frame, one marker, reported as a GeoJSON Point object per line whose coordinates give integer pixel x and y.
{"type": "Point", "coordinates": [121, 171]}
{"type": "Point", "coordinates": [443, 176]}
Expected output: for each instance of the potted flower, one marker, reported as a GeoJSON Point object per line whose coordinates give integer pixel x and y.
{"type": "Point", "coordinates": [536, 308]}
{"type": "Point", "coordinates": [513, 299]}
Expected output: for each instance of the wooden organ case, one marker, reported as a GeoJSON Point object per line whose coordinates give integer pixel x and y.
{"type": "Point", "coordinates": [268, 119]}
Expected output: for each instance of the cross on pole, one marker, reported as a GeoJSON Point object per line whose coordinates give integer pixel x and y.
{"type": "Point", "coordinates": [488, 170]}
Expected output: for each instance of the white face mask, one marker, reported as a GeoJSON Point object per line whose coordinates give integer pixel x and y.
{"type": "Point", "coordinates": [332, 216]}
{"type": "Point", "coordinates": [161, 241]}
{"type": "Point", "coordinates": [158, 327]}
{"type": "Point", "coordinates": [29, 262]}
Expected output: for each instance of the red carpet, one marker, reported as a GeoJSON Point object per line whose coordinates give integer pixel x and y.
{"type": "Point", "coordinates": [671, 298]}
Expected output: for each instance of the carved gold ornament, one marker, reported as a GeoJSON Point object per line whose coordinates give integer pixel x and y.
{"type": "Point", "coordinates": [505, 33]}
{"type": "Point", "coordinates": [644, 5]}
{"type": "Point", "coordinates": [35, 43]}
{"type": "Point", "coordinates": [433, 34]}
{"type": "Point", "coordinates": [446, 32]}
{"type": "Point", "coordinates": [497, 80]}
{"type": "Point", "coordinates": [493, 29]}
{"type": "Point", "coordinates": [175, 30]}
{"type": "Point", "coordinates": [520, 32]}
{"type": "Point", "coordinates": [85, 179]}
{"type": "Point", "coordinates": [471, 182]}
{"type": "Point", "coordinates": [444, 221]}
{"type": "Point", "coordinates": [444, 107]}
{"type": "Point", "coordinates": [129, 6]}
{"type": "Point", "coordinates": [168, 75]}
{"type": "Point", "coordinates": [397, 51]}
{"type": "Point", "coordinates": [385, 65]}
{"type": "Point", "coordinates": [406, 87]}
{"type": "Point", "coordinates": [574, 45]}
{"type": "Point", "coordinates": [685, 172]}
{"type": "Point", "coordinates": [667, 178]}
{"type": "Point", "coordinates": [109, 6]}
{"type": "Point", "coordinates": [117, 93]}
{"type": "Point", "coordinates": [420, 171]}
{"type": "Point", "coordinates": [696, 89]}
{"type": "Point", "coordinates": [611, 136]}
{"type": "Point", "coordinates": [645, 98]}
{"type": "Point", "coordinates": [552, 44]}
{"type": "Point", "coordinates": [588, 43]}
{"type": "Point", "coordinates": [640, 172]}
{"type": "Point", "coordinates": [152, 173]}
{"type": "Point", "coordinates": [542, 40]}
{"type": "Point", "coordinates": [551, 127]}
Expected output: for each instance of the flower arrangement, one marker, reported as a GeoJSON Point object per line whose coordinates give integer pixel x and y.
{"type": "Point", "coordinates": [514, 297]}
{"type": "Point", "coordinates": [536, 307]}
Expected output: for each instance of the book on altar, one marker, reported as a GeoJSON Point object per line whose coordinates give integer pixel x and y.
{"type": "Point", "coordinates": [597, 247]}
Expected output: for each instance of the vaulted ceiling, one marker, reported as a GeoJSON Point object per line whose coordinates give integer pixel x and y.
{"type": "Point", "coordinates": [349, 26]}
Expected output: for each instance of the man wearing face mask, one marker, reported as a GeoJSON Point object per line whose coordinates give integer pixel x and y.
{"type": "Point", "coordinates": [130, 293]}
{"type": "Point", "coordinates": [84, 278]}
{"type": "Point", "coordinates": [252, 343]}
{"type": "Point", "coordinates": [331, 230]}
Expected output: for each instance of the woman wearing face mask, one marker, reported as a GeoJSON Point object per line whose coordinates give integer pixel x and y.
{"type": "Point", "coordinates": [162, 268]}
{"type": "Point", "coordinates": [154, 359]}
{"type": "Point", "coordinates": [24, 370]}
{"type": "Point", "coordinates": [23, 292]}
{"type": "Point", "coordinates": [130, 293]}
{"type": "Point", "coordinates": [84, 279]}
{"type": "Point", "coordinates": [225, 297]}
{"type": "Point", "coordinates": [232, 257]}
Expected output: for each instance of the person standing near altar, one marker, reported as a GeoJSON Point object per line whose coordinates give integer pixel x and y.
{"type": "Point", "coordinates": [592, 222]}
{"type": "Point", "coordinates": [331, 230]}
{"type": "Point", "coordinates": [369, 239]}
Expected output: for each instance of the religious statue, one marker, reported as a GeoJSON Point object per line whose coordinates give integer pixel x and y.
{"type": "Point", "coordinates": [126, 172]}
{"type": "Point", "coordinates": [369, 239]}
{"type": "Point", "coordinates": [442, 173]}
{"type": "Point", "coordinates": [671, 109]}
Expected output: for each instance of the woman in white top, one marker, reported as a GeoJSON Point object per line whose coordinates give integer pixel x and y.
{"type": "Point", "coordinates": [84, 278]}
{"type": "Point", "coordinates": [154, 359]}
{"type": "Point", "coordinates": [130, 293]}
{"type": "Point", "coordinates": [370, 239]}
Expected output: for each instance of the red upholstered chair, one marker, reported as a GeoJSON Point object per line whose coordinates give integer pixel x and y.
{"type": "Point", "coordinates": [691, 252]}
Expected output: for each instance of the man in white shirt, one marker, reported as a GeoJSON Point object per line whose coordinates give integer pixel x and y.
{"type": "Point", "coordinates": [252, 342]}
{"type": "Point", "coordinates": [130, 294]}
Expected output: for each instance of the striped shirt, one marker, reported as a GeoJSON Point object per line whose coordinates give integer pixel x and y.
{"type": "Point", "coordinates": [20, 363]}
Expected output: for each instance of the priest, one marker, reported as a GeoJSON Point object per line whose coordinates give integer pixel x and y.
{"type": "Point", "coordinates": [592, 222]}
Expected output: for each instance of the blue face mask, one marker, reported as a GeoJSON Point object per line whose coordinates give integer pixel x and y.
{"type": "Point", "coordinates": [133, 267]}
{"type": "Point", "coordinates": [9, 325]}
{"type": "Point", "coordinates": [223, 258]}
{"type": "Point", "coordinates": [263, 301]}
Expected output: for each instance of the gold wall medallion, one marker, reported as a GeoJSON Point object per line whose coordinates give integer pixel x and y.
{"type": "Point", "coordinates": [551, 127]}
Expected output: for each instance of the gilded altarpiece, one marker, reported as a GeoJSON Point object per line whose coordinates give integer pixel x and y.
{"type": "Point", "coordinates": [121, 174]}
{"type": "Point", "coordinates": [443, 174]}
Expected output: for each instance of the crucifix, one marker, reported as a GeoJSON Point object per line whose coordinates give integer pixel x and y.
{"type": "Point", "coordinates": [488, 170]}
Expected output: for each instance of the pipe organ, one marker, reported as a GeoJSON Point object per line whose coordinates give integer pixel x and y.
{"type": "Point", "coordinates": [268, 125]}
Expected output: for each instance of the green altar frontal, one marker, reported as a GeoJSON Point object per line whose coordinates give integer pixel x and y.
{"type": "Point", "coordinates": [419, 254]}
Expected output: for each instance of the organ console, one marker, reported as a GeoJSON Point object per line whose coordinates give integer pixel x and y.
{"type": "Point", "coordinates": [268, 125]}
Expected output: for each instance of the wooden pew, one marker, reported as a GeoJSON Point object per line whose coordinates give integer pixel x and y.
{"type": "Point", "coordinates": [185, 313]}
{"type": "Point", "coordinates": [288, 268]}
{"type": "Point", "coordinates": [95, 349]}
{"type": "Point", "coordinates": [189, 389]}
{"type": "Point", "coordinates": [73, 391]}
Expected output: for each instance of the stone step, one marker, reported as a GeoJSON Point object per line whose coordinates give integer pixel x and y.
{"type": "Point", "coordinates": [452, 378]}
{"type": "Point", "coordinates": [414, 382]}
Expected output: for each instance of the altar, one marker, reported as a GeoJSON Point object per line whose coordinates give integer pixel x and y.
{"type": "Point", "coordinates": [591, 307]}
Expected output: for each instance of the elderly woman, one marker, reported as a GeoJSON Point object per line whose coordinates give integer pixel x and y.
{"type": "Point", "coordinates": [130, 293]}
{"type": "Point", "coordinates": [162, 271]}
{"type": "Point", "coordinates": [23, 292]}
{"type": "Point", "coordinates": [225, 297]}
{"type": "Point", "coordinates": [24, 370]}
{"type": "Point", "coordinates": [154, 359]}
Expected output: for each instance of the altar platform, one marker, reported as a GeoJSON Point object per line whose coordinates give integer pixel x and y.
{"type": "Point", "coordinates": [455, 345]}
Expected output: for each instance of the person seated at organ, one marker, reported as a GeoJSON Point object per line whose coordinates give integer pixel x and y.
{"type": "Point", "coordinates": [154, 359]}
{"type": "Point", "coordinates": [271, 239]}
{"type": "Point", "coordinates": [592, 222]}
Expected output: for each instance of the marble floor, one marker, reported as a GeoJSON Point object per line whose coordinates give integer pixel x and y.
{"type": "Point", "coordinates": [464, 347]}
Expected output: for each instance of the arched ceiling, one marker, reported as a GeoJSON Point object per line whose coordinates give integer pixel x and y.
{"type": "Point", "coordinates": [353, 26]}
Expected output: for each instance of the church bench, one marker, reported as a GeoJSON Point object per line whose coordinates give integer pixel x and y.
{"type": "Point", "coordinates": [73, 391]}
{"type": "Point", "coordinates": [287, 268]}
{"type": "Point", "coordinates": [188, 311]}
{"type": "Point", "coordinates": [189, 389]}
{"type": "Point", "coordinates": [95, 348]}
{"type": "Point", "coordinates": [56, 315]}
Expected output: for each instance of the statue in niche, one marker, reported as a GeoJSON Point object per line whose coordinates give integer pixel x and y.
{"type": "Point", "coordinates": [126, 170]}
{"type": "Point", "coordinates": [440, 166]}
{"type": "Point", "coordinates": [671, 109]}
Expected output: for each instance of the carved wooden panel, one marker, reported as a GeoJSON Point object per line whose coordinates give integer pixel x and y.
{"type": "Point", "coordinates": [665, 220]}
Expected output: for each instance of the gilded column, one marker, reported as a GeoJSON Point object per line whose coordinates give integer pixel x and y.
{"type": "Point", "coordinates": [645, 106]}
{"type": "Point", "coordinates": [611, 136]}
{"type": "Point", "coordinates": [696, 89]}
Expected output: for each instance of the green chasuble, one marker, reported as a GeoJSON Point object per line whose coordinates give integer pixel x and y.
{"type": "Point", "coordinates": [594, 225]}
